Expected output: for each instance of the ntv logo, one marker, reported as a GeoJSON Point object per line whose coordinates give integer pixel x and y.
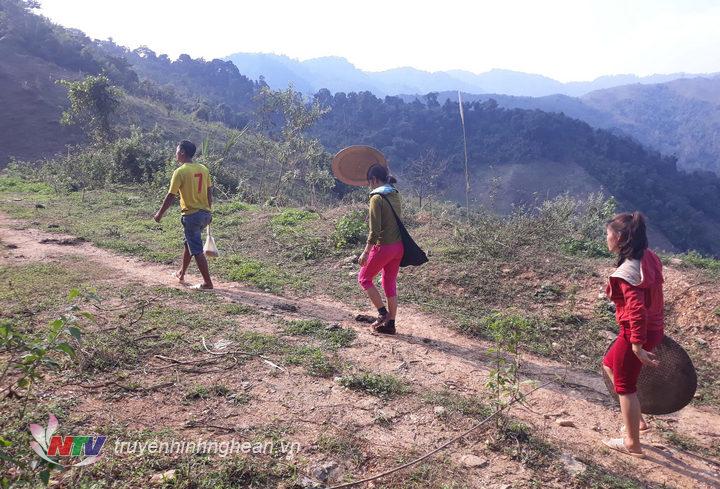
{"type": "Point", "coordinates": [48, 445]}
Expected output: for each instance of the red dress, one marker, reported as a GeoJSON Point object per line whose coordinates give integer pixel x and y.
{"type": "Point", "coordinates": [636, 288]}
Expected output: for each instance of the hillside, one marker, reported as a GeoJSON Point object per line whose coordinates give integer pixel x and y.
{"type": "Point", "coordinates": [32, 102]}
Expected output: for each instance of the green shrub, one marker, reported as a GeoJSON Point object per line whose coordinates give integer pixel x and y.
{"type": "Point", "coordinates": [699, 261]}
{"type": "Point", "coordinates": [292, 218]}
{"type": "Point", "coordinates": [585, 247]}
{"type": "Point", "coordinates": [350, 230]}
{"type": "Point", "coordinates": [16, 184]}
{"type": "Point", "coordinates": [572, 225]}
{"type": "Point", "coordinates": [312, 249]}
{"type": "Point", "coordinates": [137, 158]}
{"type": "Point", "coordinates": [253, 271]}
{"type": "Point", "coordinates": [232, 207]}
{"type": "Point", "coordinates": [141, 157]}
{"type": "Point", "coordinates": [501, 327]}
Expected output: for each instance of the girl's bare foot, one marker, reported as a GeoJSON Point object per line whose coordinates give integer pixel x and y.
{"type": "Point", "coordinates": [620, 445]}
{"type": "Point", "coordinates": [203, 286]}
{"type": "Point", "coordinates": [179, 276]}
{"type": "Point", "coordinates": [643, 427]}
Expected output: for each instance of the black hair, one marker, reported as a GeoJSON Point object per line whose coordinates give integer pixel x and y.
{"type": "Point", "coordinates": [381, 173]}
{"type": "Point", "coordinates": [632, 233]}
{"type": "Point", "coordinates": [187, 147]}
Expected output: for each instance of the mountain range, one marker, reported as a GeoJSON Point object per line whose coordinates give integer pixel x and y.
{"type": "Point", "coordinates": [677, 114]}
{"type": "Point", "coordinates": [680, 117]}
{"type": "Point", "coordinates": [337, 74]}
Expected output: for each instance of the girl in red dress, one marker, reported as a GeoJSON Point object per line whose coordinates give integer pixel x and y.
{"type": "Point", "coordinates": [636, 288]}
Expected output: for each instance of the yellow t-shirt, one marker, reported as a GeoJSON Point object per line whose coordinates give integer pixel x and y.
{"type": "Point", "coordinates": [191, 181]}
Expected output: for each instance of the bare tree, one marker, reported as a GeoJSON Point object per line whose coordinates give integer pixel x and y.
{"type": "Point", "coordinates": [424, 174]}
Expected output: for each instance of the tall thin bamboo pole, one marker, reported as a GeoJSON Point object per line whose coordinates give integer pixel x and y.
{"type": "Point", "coordinates": [467, 174]}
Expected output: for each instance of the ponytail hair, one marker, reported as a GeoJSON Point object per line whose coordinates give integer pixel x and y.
{"type": "Point", "coordinates": [381, 173]}
{"type": "Point", "coordinates": [632, 241]}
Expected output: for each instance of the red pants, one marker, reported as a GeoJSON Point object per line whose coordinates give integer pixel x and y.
{"type": "Point", "coordinates": [625, 365]}
{"type": "Point", "coordinates": [386, 258]}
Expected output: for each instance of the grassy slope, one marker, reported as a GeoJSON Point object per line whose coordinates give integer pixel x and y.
{"type": "Point", "coordinates": [511, 270]}
{"type": "Point", "coordinates": [293, 251]}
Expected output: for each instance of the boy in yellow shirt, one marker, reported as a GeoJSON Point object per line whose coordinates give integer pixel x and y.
{"type": "Point", "coordinates": [192, 182]}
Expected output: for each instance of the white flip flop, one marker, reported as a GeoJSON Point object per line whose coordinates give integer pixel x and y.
{"type": "Point", "coordinates": [618, 444]}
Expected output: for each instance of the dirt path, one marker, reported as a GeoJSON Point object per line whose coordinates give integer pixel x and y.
{"type": "Point", "coordinates": [431, 356]}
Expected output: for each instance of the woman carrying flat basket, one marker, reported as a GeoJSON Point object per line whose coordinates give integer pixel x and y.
{"type": "Point", "coordinates": [636, 288]}
{"type": "Point", "coordinates": [384, 249]}
{"type": "Point", "coordinates": [362, 166]}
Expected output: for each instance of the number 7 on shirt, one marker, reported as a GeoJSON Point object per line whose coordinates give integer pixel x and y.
{"type": "Point", "coordinates": [199, 176]}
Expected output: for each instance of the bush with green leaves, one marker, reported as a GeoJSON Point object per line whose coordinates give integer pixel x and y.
{"type": "Point", "coordinates": [699, 261]}
{"type": "Point", "coordinates": [350, 230]}
{"type": "Point", "coordinates": [141, 157]}
{"type": "Point", "coordinates": [93, 100]}
{"type": "Point", "coordinates": [27, 357]}
{"type": "Point", "coordinates": [568, 224]}
{"type": "Point", "coordinates": [291, 218]}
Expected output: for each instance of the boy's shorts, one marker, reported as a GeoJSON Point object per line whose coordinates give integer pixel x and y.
{"type": "Point", "coordinates": [193, 224]}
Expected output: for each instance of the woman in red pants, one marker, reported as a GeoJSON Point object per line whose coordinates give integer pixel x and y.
{"type": "Point", "coordinates": [636, 288]}
{"type": "Point", "coordinates": [384, 249]}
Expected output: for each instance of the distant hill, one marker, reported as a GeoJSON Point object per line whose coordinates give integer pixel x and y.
{"type": "Point", "coordinates": [339, 75]}
{"type": "Point", "coordinates": [680, 117]}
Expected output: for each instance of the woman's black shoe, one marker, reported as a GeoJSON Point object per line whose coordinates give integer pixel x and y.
{"type": "Point", "coordinates": [386, 327]}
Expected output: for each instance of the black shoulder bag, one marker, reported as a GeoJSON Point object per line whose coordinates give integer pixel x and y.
{"type": "Point", "coordinates": [414, 255]}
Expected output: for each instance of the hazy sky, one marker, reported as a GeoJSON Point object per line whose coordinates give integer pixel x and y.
{"type": "Point", "coordinates": [564, 39]}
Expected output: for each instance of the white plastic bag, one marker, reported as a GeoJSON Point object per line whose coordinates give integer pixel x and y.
{"type": "Point", "coordinates": [210, 249]}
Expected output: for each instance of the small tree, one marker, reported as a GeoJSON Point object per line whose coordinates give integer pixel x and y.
{"type": "Point", "coordinates": [92, 102]}
{"type": "Point", "coordinates": [424, 174]}
{"type": "Point", "coordinates": [298, 158]}
{"type": "Point", "coordinates": [508, 333]}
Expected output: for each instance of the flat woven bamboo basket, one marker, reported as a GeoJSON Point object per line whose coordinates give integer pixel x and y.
{"type": "Point", "coordinates": [668, 387]}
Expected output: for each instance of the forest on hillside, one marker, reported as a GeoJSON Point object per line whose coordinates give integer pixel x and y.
{"type": "Point", "coordinates": [686, 207]}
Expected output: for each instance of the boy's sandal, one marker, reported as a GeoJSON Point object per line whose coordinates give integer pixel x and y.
{"type": "Point", "coordinates": [618, 444]}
